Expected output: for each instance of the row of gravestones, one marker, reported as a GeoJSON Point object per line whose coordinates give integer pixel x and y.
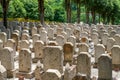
{"type": "Point", "coordinates": [83, 47]}
{"type": "Point", "coordinates": [53, 64]}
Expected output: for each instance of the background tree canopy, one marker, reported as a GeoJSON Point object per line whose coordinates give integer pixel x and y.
{"type": "Point", "coordinates": [90, 11]}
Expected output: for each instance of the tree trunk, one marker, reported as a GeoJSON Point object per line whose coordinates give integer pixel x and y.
{"type": "Point", "coordinates": [4, 6]}
{"type": "Point", "coordinates": [68, 3]}
{"type": "Point", "coordinates": [87, 15]}
{"type": "Point", "coordinates": [93, 16]}
{"type": "Point", "coordinates": [41, 10]}
{"type": "Point", "coordinates": [99, 18]}
{"type": "Point", "coordinates": [78, 13]}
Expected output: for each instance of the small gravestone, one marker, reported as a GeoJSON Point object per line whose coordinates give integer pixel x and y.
{"type": "Point", "coordinates": [43, 36]}
{"type": "Point", "coordinates": [105, 38]}
{"type": "Point", "coordinates": [52, 43]}
{"type": "Point", "coordinates": [38, 49]}
{"type": "Point", "coordinates": [25, 37]}
{"type": "Point", "coordinates": [105, 67]}
{"type": "Point", "coordinates": [116, 56]}
{"type": "Point", "coordinates": [3, 37]}
{"type": "Point", "coordinates": [95, 38]}
{"type": "Point", "coordinates": [35, 37]}
{"type": "Point", "coordinates": [84, 64]}
{"type": "Point", "coordinates": [68, 53]}
{"type": "Point", "coordinates": [34, 30]}
{"type": "Point", "coordinates": [83, 47]}
{"type": "Point", "coordinates": [117, 39]}
{"type": "Point", "coordinates": [25, 64]}
{"type": "Point", "coordinates": [110, 43]}
{"type": "Point", "coordinates": [7, 60]}
{"type": "Point", "coordinates": [51, 74]}
{"type": "Point", "coordinates": [60, 40]}
{"type": "Point", "coordinates": [50, 33]}
{"type": "Point", "coordinates": [99, 50]}
{"type": "Point", "coordinates": [24, 44]}
{"type": "Point", "coordinates": [53, 58]}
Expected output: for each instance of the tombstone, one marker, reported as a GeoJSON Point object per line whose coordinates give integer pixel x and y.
{"type": "Point", "coordinates": [84, 34]}
{"type": "Point", "coordinates": [25, 61]}
{"type": "Point", "coordinates": [3, 74]}
{"type": "Point", "coordinates": [68, 52]}
{"type": "Point", "coordinates": [77, 35]}
{"type": "Point", "coordinates": [44, 36]}
{"type": "Point", "coordinates": [38, 70]}
{"type": "Point", "coordinates": [110, 43]}
{"type": "Point", "coordinates": [99, 50]}
{"type": "Point", "coordinates": [117, 39]}
{"type": "Point", "coordinates": [65, 35]}
{"type": "Point", "coordinates": [112, 33]}
{"type": "Point", "coordinates": [67, 72]}
{"type": "Point", "coordinates": [1, 44]}
{"type": "Point", "coordinates": [95, 38]}
{"type": "Point", "coordinates": [116, 56]}
{"type": "Point", "coordinates": [34, 30]}
{"type": "Point", "coordinates": [53, 58]}
{"type": "Point", "coordinates": [38, 49]}
{"type": "Point", "coordinates": [84, 64]}
{"type": "Point", "coordinates": [24, 44]}
{"type": "Point", "coordinates": [105, 67]}
{"type": "Point", "coordinates": [105, 38]}
{"type": "Point", "coordinates": [3, 37]}
{"type": "Point", "coordinates": [15, 37]}
{"type": "Point", "coordinates": [25, 37]}
{"type": "Point", "coordinates": [83, 47]}
{"type": "Point", "coordinates": [50, 33]}
{"type": "Point", "coordinates": [69, 32]}
{"type": "Point", "coordinates": [72, 39]}
{"type": "Point", "coordinates": [51, 74]}
{"type": "Point", "coordinates": [84, 40]}
{"type": "Point", "coordinates": [59, 31]}
{"type": "Point", "coordinates": [7, 60]}
{"type": "Point", "coordinates": [35, 37]}
{"type": "Point", "coordinates": [60, 40]}
{"type": "Point", "coordinates": [11, 43]}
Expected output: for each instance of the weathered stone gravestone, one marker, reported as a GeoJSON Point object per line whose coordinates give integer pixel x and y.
{"type": "Point", "coordinates": [68, 52]}
{"type": "Point", "coordinates": [105, 38]}
{"type": "Point", "coordinates": [99, 50]}
{"type": "Point", "coordinates": [95, 38]}
{"type": "Point", "coordinates": [65, 35]}
{"type": "Point", "coordinates": [116, 56]}
{"type": "Point", "coordinates": [83, 47]}
{"type": "Point", "coordinates": [3, 37]}
{"type": "Point", "coordinates": [24, 44]}
{"type": "Point", "coordinates": [38, 49]}
{"type": "Point", "coordinates": [112, 33]}
{"type": "Point", "coordinates": [25, 37]}
{"type": "Point", "coordinates": [84, 64]}
{"type": "Point", "coordinates": [52, 43]}
{"type": "Point", "coordinates": [84, 40]}
{"type": "Point", "coordinates": [11, 43]}
{"type": "Point", "coordinates": [25, 60]}
{"type": "Point", "coordinates": [53, 58]}
{"type": "Point", "coordinates": [15, 37]}
{"type": "Point", "coordinates": [51, 74]}
{"type": "Point", "coordinates": [110, 43]}
{"type": "Point", "coordinates": [3, 73]}
{"type": "Point", "coordinates": [50, 33]}
{"type": "Point", "coordinates": [34, 30]}
{"type": "Point", "coordinates": [60, 40]}
{"type": "Point", "coordinates": [35, 37]}
{"type": "Point", "coordinates": [59, 31]}
{"type": "Point", "coordinates": [105, 67]}
{"type": "Point", "coordinates": [44, 36]}
{"type": "Point", "coordinates": [117, 39]}
{"type": "Point", "coordinates": [7, 60]}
